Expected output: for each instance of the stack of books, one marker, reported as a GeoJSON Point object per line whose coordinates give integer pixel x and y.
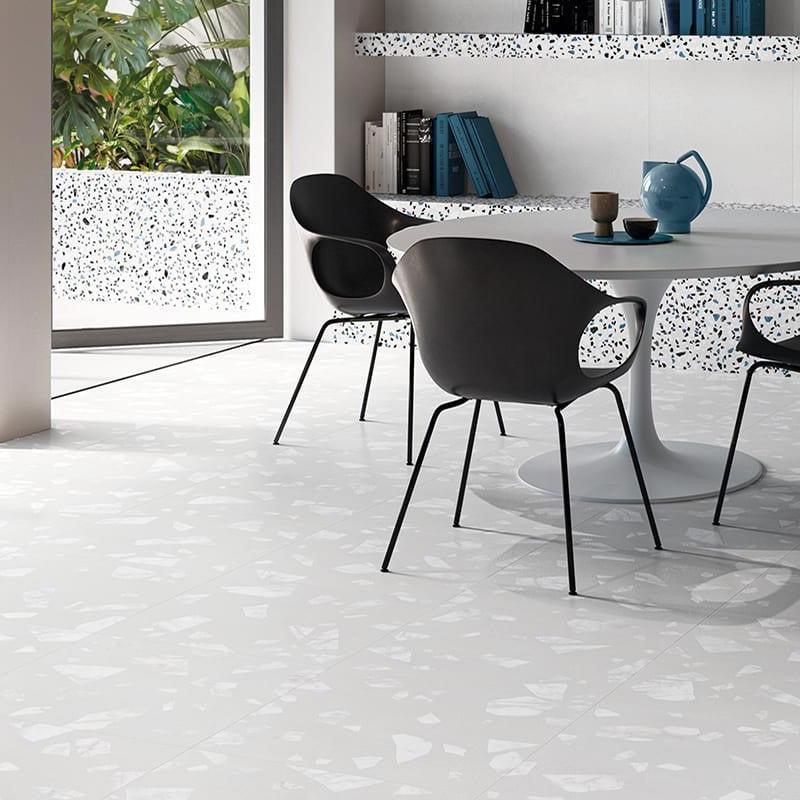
{"type": "Point", "coordinates": [627, 17]}
{"type": "Point", "coordinates": [409, 153]}
{"type": "Point", "coordinates": [560, 16]}
{"type": "Point", "coordinates": [717, 18]}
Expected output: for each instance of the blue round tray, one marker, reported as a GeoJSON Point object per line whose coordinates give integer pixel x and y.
{"type": "Point", "coordinates": [621, 239]}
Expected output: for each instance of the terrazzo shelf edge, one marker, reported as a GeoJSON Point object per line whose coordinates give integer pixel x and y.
{"type": "Point", "coordinates": [578, 47]}
{"type": "Point", "coordinates": [699, 321]}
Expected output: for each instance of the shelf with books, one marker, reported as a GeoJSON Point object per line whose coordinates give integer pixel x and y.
{"type": "Point", "coordinates": [578, 47]}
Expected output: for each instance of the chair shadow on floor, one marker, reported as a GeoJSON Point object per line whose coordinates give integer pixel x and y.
{"type": "Point", "coordinates": [702, 568]}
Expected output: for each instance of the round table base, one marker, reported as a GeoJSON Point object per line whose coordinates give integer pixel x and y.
{"type": "Point", "coordinates": [603, 473]}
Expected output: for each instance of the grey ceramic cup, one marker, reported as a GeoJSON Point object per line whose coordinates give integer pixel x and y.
{"type": "Point", "coordinates": [605, 209]}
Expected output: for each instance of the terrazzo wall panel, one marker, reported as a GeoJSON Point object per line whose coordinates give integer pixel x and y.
{"type": "Point", "coordinates": [180, 241]}
{"type": "Point", "coordinates": [698, 324]}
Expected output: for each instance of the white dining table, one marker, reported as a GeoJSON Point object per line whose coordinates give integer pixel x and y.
{"type": "Point", "coordinates": [723, 243]}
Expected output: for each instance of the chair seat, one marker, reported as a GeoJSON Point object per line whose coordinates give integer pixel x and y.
{"type": "Point", "coordinates": [785, 352]}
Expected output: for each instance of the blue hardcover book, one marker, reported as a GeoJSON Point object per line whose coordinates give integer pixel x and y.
{"type": "Point", "coordinates": [712, 17]}
{"type": "Point", "coordinates": [449, 164]}
{"type": "Point", "coordinates": [672, 24]}
{"type": "Point", "coordinates": [491, 157]}
{"type": "Point", "coordinates": [737, 24]}
{"type": "Point", "coordinates": [700, 18]}
{"type": "Point", "coordinates": [687, 17]}
{"type": "Point", "coordinates": [754, 16]}
{"type": "Point", "coordinates": [479, 181]}
{"type": "Point", "coordinates": [724, 18]}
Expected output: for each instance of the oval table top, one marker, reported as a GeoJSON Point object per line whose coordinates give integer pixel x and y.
{"type": "Point", "coordinates": [722, 243]}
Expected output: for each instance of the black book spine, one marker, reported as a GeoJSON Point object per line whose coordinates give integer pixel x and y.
{"type": "Point", "coordinates": [530, 16]}
{"type": "Point", "coordinates": [583, 17]}
{"type": "Point", "coordinates": [539, 14]}
{"type": "Point", "coordinates": [411, 181]}
{"type": "Point", "coordinates": [426, 156]}
{"type": "Point", "coordinates": [401, 152]}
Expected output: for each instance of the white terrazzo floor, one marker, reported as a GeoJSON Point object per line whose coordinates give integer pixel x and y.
{"type": "Point", "coordinates": [189, 613]}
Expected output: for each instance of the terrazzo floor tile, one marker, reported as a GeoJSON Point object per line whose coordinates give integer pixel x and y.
{"type": "Point", "coordinates": [42, 761]}
{"type": "Point", "coordinates": [81, 368]}
{"type": "Point", "coordinates": [187, 612]}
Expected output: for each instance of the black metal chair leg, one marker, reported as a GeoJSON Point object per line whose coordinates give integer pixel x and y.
{"type": "Point", "coordinates": [467, 461]}
{"type": "Point", "coordinates": [562, 443]}
{"type": "Point", "coordinates": [637, 467]}
{"type": "Point", "coordinates": [367, 388]}
{"type": "Point", "coordinates": [412, 346]}
{"type": "Point", "coordinates": [304, 373]}
{"type": "Point", "coordinates": [737, 429]}
{"type": "Point", "coordinates": [500, 420]}
{"type": "Point", "coordinates": [414, 476]}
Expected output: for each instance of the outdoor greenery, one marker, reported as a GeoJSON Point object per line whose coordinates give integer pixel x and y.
{"type": "Point", "coordinates": [143, 91]}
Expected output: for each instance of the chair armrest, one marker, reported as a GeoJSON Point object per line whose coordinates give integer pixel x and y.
{"type": "Point", "coordinates": [752, 337]}
{"type": "Point", "coordinates": [386, 258]}
{"type": "Point", "coordinates": [760, 287]}
{"type": "Point", "coordinates": [641, 317]}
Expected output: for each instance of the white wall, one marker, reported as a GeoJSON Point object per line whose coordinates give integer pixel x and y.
{"type": "Point", "coordinates": [25, 265]}
{"type": "Point", "coordinates": [571, 127]}
{"type": "Point", "coordinates": [329, 94]}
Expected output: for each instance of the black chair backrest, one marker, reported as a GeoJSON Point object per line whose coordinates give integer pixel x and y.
{"type": "Point", "coordinates": [330, 208]}
{"type": "Point", "coordinates": [498, 320]}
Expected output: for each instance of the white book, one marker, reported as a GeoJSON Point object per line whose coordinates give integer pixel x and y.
{"type": "Point", "coordinates": [376, 157]}
{"type": "Point", "coordinates": [622, 17]}
{"type": "Point", "coordinates": [639, 17]}
{"type": "Point", "coordinates": [374, 147]}
{"type": "Point", "coordinates": [369, 176]}
{"type": "Point", "coordinates": [664, 26]}
{"type": "Point", "coordinates": [391, 151]}
{"type": "Point", "coordinates": [607, 16]}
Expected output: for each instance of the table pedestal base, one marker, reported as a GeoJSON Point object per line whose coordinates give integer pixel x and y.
{"type": "Point", "coordinates": [676, 472]}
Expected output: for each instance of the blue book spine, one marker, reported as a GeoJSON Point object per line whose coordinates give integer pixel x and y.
{"type": "Point", "coordinates": [672, 23]}
{"type": "Point", "coordinates": [700, 18]}
{"type": "Point", "coordinates": [491, 156]}
{"type": "Point", "coordinates": [737, 24]}
{"type": "Point", "coordinates": [713, 18]}
{"type": "Point", "coordinates": [441, 138]}
{"type": "Point", "coordinates": [724, 18]}
{"type": "Point", "coordinates": [758, 22]}
{"type": "Point", "coordinates": [687, 17]}
{"type": "Point", "coordinates": [469, 155]}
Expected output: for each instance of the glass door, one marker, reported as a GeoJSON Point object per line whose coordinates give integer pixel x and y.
{"type": "Point", "coordinates": [166, 170]}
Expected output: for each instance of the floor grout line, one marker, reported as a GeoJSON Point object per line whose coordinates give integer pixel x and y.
{"type": "Point", "coordinates": [461, 590]}
{"type": "Point", "coordinates": [627, 681]}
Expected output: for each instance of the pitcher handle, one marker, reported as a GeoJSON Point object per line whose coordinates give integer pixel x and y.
{"type": "Point", "coordinates": [709, 182]}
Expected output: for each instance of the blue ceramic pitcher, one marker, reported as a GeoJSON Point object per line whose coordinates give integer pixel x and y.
{"type": "Point", "coordinates": [673, 194]}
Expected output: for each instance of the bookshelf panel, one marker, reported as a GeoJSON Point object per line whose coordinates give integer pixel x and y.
{"type": "Point", "coordinates": [595, 47]}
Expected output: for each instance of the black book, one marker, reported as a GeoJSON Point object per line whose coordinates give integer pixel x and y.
{"type": "Point", "coordinates": [530, 16]}
{"type": "Point", "coordinates": [426, 156]}
{"type": "Point", "coordinates": [402, 144]}
{"type": "Point", "coordinates": [583, 16]}
{"type": "Point", "coordinates": [412, 183]}
{"type": "Point", "coordinates": [560, 16]}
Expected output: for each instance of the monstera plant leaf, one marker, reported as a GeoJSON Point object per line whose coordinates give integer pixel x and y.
{"type": "Point", "coordinates": [122, 47]}
{"type": "Point", "coordinates": [214, 72]}
{"type": "Point", "coordinates": [172, 12]}
{"type": "Point", "coordinates": [75, 115]}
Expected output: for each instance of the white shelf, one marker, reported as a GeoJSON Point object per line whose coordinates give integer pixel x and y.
{"type": "Point", "coordinates": [605, 48]}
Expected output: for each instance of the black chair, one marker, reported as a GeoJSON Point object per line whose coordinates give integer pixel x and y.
{"type": "Point", "coordinates": [345, 230]}
{"type": "Point", "coordinates": [503, 322]}
{"type": "Point", "coordinates": [782, 355]}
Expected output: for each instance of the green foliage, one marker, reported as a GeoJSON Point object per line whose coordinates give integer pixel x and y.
{"type": "Point", "coordinates": [219, 101]}
{"type": "Point", "coordinates": [116, 106]}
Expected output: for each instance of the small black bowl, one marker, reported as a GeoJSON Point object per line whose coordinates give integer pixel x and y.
{"type": "Point", "coordinates": [640, 228]}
